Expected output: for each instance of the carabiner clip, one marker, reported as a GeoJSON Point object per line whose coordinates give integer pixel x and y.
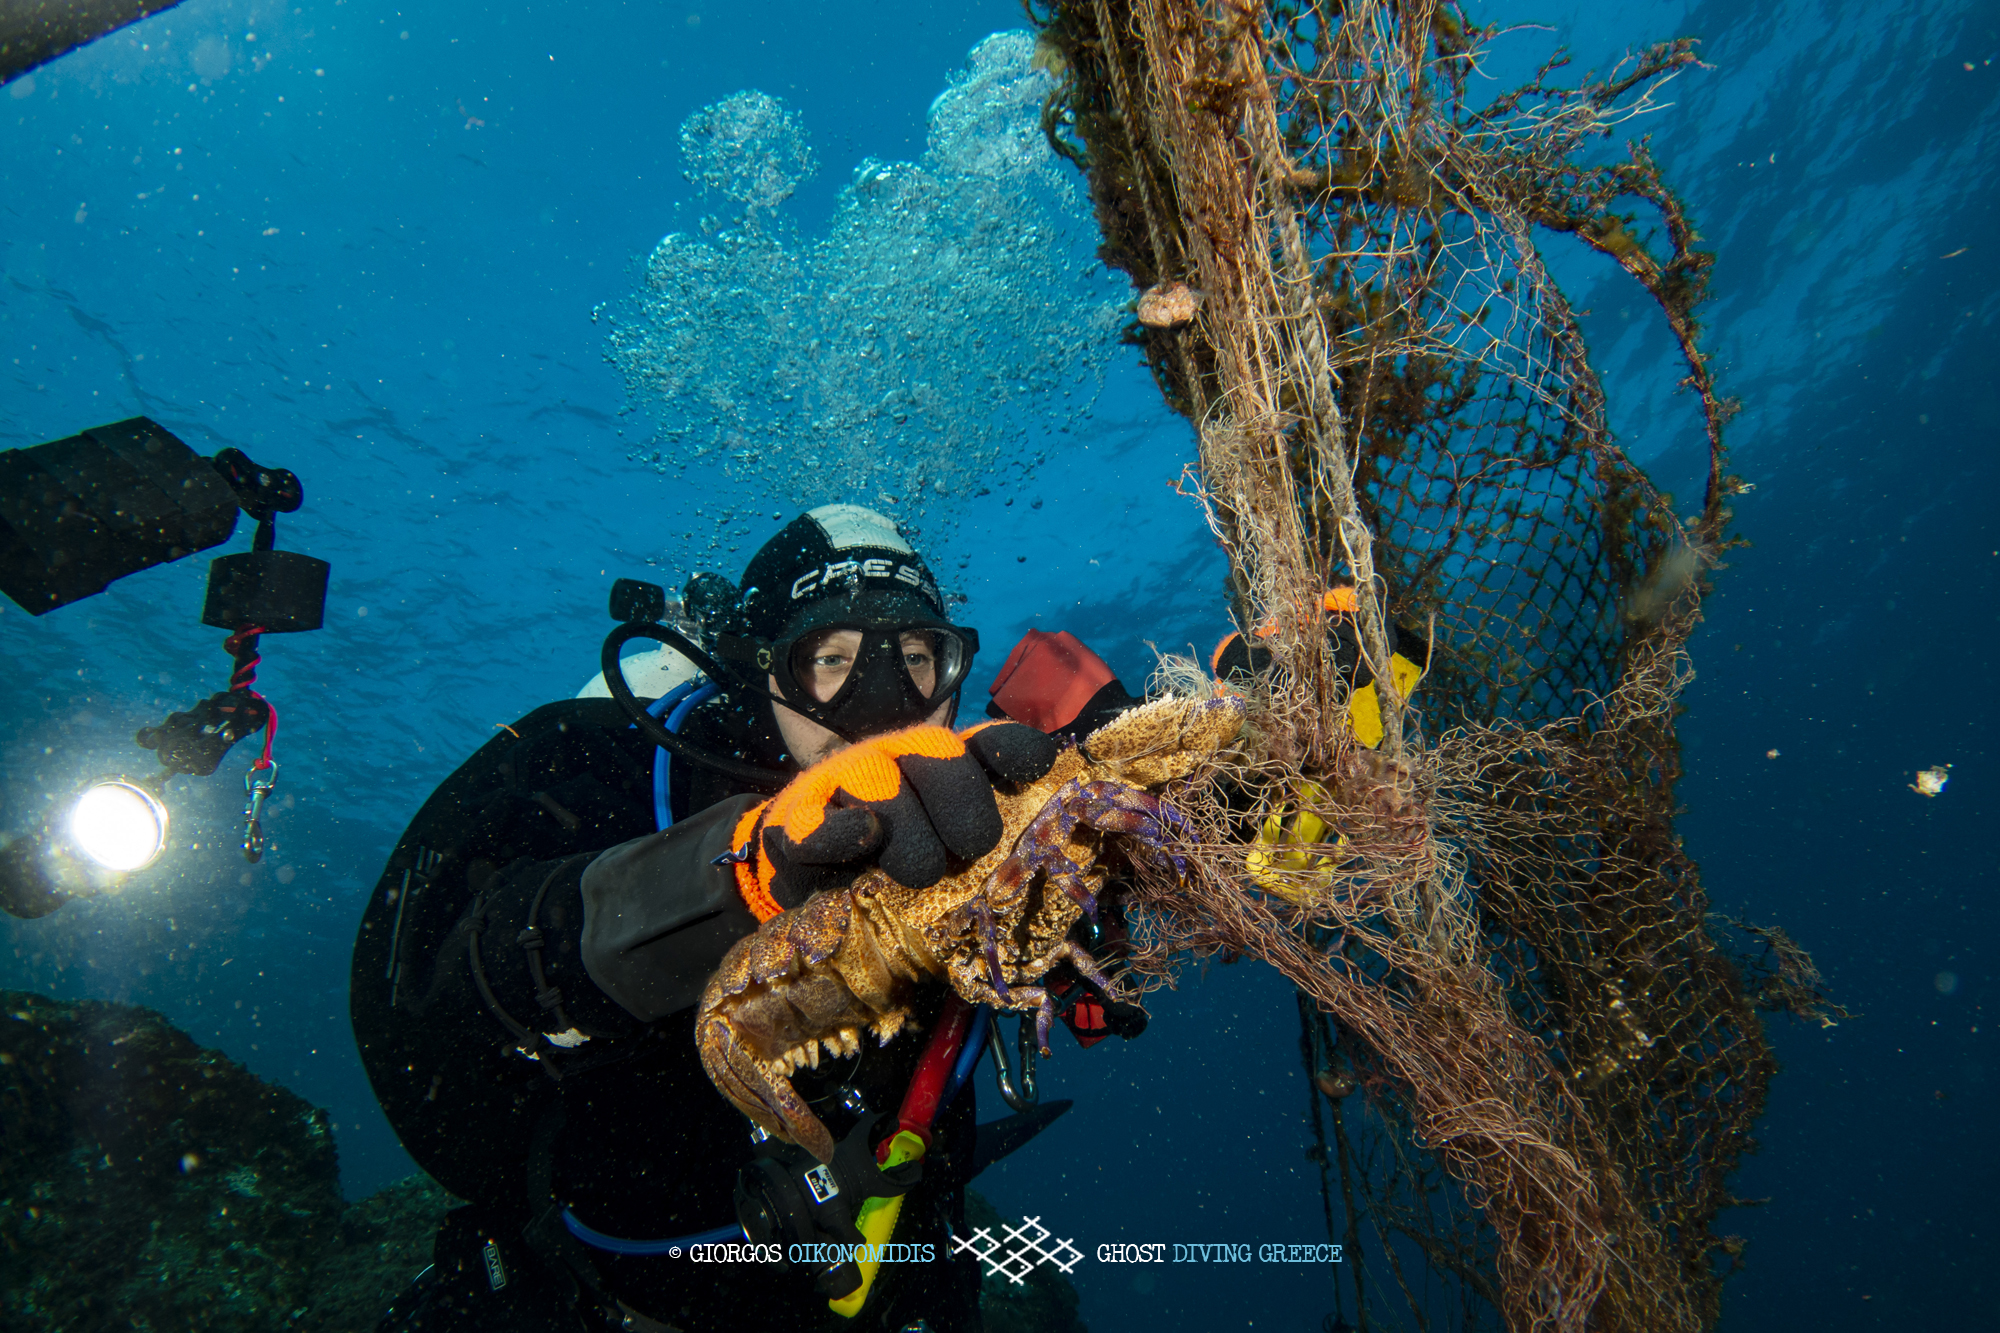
{"type": "Point", "coordinates": [1017, 1081]}
{"type": "Point", "coordinates": [257, 784]}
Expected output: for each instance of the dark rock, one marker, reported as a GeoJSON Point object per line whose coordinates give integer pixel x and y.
{"type": "Point", "coordinates": [385, 1240]}
{"type": "Point", "coordinates": [148, 1183]}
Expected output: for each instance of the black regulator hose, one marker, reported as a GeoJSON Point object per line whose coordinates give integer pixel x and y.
{"type": "Point", "coordinates": [651, 727]}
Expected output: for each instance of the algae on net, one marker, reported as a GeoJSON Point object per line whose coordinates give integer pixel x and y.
{"type": "Point", "coordinates": [1558, 1061]}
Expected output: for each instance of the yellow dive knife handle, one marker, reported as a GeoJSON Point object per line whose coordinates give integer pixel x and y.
{"type": "Point", "coordinates": [877, 1222]}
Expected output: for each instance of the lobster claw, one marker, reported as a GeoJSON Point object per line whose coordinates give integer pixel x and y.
{"type": "Point", "coordinates": [810, 981]}
{"type": "Point", "coordinates": [760, 1092]}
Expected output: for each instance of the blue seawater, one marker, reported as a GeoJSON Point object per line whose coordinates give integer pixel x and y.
{"type": "Point", "coordinates": [427, 259]}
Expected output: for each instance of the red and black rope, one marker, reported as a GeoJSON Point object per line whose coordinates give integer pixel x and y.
{"type": "Point", "coordinates": [242, 647]}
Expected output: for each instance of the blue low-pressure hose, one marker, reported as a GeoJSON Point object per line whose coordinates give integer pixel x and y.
{"type": "Point", "coordinates": [683, 699]}
{"type": "Point", "coordinates": [618, 1245]}
{"type": "Point", "coordinates": [662, 815]}
{"type": "Point", "coordinates": [672, 697]}
{"type": "Point", "coordinates": [968, 1055]}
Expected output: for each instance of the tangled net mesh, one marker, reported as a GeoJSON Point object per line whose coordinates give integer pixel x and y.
{"type": "Point", "coordinates": [1499, 939]}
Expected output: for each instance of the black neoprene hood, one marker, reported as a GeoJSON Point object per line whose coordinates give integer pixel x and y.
{"type": "Point", "coordinates": [834, 563]}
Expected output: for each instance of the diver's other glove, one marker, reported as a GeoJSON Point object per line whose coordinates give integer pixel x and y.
{"type": "Point", "coordinates": [907, 802]}
{"type": "Point", "coordinates": [1091, 1015]}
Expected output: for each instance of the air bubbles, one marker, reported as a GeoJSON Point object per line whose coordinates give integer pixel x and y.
{"type": "Point", "coordinates": [950, 321]}
{"type": "Point", "coordinates": [988, 122]}
{"type": "Point", "coordinates": [748, 147]}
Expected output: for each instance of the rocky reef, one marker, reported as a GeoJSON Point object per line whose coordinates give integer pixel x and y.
{"type": "Point", "coordinates": [149, 1184]}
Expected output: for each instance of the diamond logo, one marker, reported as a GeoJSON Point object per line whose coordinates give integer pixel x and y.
{"type": "Point", "coordinates": [1019, 1250]}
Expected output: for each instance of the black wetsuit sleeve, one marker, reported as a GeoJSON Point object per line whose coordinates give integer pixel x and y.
{"type": "Point", "coordinates": [546, 794]}
{"type": "Point", "coordinates": [659, 914]}
{"type": "Point", "coordinates": [571, 777]}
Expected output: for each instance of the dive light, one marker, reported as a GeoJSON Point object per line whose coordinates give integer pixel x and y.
{"type": "Point", "coordinates": [79, 513]}
{"type": "Point", "coordinates": [119, 824]}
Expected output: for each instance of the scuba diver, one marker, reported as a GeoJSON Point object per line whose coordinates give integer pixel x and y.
{"type": "Point", "coordinates": [526, 975]}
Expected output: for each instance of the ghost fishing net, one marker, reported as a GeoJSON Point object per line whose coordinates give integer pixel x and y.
{"type": "Point", "coordinates": [1497, 939]}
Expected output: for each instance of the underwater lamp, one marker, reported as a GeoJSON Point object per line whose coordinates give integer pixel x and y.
{"type": "Point", "coordinates": [79, 513]}
{"type": "Point", "coordinates": [118, 824]}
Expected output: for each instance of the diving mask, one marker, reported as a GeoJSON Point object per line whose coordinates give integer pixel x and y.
{"type": "Point", "coordinates": [861, 678]}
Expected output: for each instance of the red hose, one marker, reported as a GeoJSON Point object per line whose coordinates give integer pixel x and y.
{"type": "Point", "coordinates": [920, 1103]}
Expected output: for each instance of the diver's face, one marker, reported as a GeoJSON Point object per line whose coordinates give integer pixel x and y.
{"type": "Point", "coordinates": [830, 656]}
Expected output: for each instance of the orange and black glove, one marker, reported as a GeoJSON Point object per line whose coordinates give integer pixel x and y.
{"type": "Point", "coordinates": [907, 802]}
